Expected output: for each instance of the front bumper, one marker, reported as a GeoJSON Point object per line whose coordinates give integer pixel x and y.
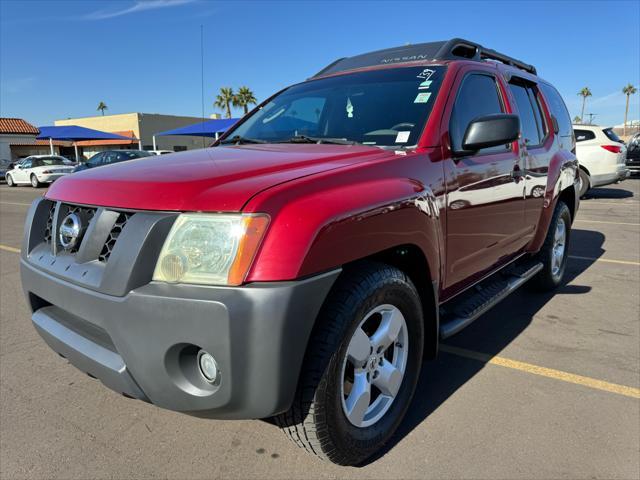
{"type": "Point", "coordinates": [144, 342]}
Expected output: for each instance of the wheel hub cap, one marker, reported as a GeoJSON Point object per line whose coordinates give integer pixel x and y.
{"type": "Point", "coordinates": [374, 365]}
{"type": "Point", "coordinates": [559, 240]}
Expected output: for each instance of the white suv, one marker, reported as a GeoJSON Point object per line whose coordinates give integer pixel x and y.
{"type": "Point", "coordinates": [601, 155]}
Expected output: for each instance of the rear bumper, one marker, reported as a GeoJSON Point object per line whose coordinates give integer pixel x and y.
{"type": "Point", "coordinates": [50, 178]}
{"type": "Point", "coordinates": [621, 173]}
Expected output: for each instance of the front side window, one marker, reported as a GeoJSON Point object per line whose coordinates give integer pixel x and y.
{"type": "Point", "coordinates": [384, 108]}
{"type": "Point", "coordinates": [478, 96]}
{"type": "Point", "coordinates": [95, 160]}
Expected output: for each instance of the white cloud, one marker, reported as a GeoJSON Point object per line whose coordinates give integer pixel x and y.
{"type": "Point", "coordinates": [138, 6]}
{"type": "Point", "coordinates": [17, 85]}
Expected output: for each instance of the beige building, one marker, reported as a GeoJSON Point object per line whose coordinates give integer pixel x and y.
{"type": "Point", "coordinates": [143, 126]}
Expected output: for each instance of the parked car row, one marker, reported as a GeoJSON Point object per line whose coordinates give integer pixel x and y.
{"type": "Point", "coordinates": [37, 170]}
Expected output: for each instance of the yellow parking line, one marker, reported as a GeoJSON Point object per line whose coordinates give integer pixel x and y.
{"type": "Point", "coordinates": [544, 372]}
{"type": "Point", "coordinates": [15, 203]}
{"type": "Point", "coordinates": [9, 249]}
{"type": "Point", "coordinates": [605, 260]}
{"type": "Point", "coordinates": [608, 223]}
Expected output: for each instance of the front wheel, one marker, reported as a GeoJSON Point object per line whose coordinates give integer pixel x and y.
{"type": "Point", "coordinates": [10, 181]}
{"type": "Point", "coordinates": [554, 252]}
{"type": "Point", "coordinates": [361, 367]}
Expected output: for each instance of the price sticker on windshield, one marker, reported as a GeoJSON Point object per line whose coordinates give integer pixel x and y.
{"type": "Point", "coordinates": [423, 97]}
{"type": "Point", "coordinates": [403, 137]}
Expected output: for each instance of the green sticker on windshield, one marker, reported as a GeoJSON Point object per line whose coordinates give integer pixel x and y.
{"type": "Point", "coordinates": [424, 85]}
{"type": "Point", "coordinates": [423, 97]}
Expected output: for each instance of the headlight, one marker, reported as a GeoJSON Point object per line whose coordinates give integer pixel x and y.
{"type": "Point", "coordinates": [211, 249]}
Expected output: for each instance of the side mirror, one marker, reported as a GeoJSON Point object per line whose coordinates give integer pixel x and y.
{"type": "Point", "coordinates": [490, 131]}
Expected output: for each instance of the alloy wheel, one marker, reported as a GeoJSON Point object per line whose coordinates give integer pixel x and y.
{"type": "Point", "coordinates": [374, 365]}
{"type": "Point", "coordinates": [559, 244]}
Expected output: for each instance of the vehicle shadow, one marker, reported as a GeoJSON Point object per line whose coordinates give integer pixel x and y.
{"type": "Point", "coordinates": [606, 193]}
{"type": "Point", "coordinates": [490, 334]}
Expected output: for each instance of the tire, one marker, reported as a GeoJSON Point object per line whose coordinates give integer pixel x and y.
{"type": "Point", "coordinates": [34, 181]}
{"type": "Point", "coordinates": [552, 273]}
{"type": "Point", "coordinates": [318, 419]}
{"type": "Point", "coordinates": [10, 181]}
{"type": "Point", "coordinates": [585, 183]}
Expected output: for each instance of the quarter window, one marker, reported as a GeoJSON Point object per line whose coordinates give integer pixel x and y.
{"type": "Point", "coordinates": [478, 96]}
{"type": "Point", "coordinates": [584, 135]}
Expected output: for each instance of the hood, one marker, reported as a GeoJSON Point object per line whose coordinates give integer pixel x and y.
{"type": "Point", "coordinates": [219, 179]}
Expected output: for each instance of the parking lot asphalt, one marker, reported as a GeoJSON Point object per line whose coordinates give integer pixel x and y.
{"type": "Point", "coordinates": [543, 386]}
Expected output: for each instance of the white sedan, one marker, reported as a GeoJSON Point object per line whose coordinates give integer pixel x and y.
{"type": "Point", "coordinates": [38, 169]}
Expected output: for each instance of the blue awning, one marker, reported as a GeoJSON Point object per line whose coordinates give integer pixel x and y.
{"type": "Point", "coordinates": [203, 129]}
{"type": "Point", "coordinates": [72, 133]}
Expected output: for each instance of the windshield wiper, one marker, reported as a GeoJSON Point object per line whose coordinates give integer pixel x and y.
{"type": "Point", "coordinates": [238, 140]}
{"type": "Point", "coordinates": [307, 139]}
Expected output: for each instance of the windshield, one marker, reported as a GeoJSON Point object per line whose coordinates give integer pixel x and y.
{"type": "Point", "coordinates": [382, 108]}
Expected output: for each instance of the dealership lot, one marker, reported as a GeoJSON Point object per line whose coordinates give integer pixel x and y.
{"type": "Point", "coordinates": [543, 386]}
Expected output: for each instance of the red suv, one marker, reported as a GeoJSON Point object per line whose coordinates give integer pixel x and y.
{"type": "Point", "coordinates": [303, 267]}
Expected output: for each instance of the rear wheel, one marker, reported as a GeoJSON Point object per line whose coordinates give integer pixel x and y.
{"type": "Point", "coordinates": [10, 181]}
{"type": "Point", "coordinates": [584, 183]}
{"type": "Point", "coordinates": [361, 366]}
{"type": "Point", "coordinates": [34, 181]}
{"type": "Point", "coordinates": [554, 252]}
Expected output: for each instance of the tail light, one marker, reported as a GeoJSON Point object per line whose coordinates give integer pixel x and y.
{"type": "Point", "coordinates": [612, 148]}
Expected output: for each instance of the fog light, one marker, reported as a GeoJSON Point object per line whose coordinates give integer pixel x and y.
{"type": "Point", "coordinates": [208, 366]}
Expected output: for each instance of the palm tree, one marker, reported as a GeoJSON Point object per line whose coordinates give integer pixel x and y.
{"type": "Point", "coordinates": [244, 98]}
{"type": "Point", "coordinates": [584, 93]}
{"type": "Point", "coordinates": [628, 91]}
{"type": "Point", "coordinates": [102, 107]}
{"type": "Point", "coordinates": [225, 99]}
{"type": "Point", "coordinates": [577, 119]}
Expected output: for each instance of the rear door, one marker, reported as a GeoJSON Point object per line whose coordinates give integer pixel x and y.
{"type": "Point", "coordinates": [537, 149]}
{"type": "Point", "coordinates": [485, 202]}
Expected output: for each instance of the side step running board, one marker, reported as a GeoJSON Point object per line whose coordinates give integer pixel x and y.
{"type": "Point", "coordinates": [482, 297]}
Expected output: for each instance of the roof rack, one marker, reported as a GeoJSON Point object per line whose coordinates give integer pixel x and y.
{"type": "Point", "coordinates": [454, 49]}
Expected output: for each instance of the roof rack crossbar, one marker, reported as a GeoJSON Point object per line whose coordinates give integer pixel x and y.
{"type": "Point", "coordinates": [454, 49]}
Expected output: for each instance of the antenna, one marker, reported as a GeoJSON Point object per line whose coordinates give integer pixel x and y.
{"type": "Point", "coordinates": [202, 80]}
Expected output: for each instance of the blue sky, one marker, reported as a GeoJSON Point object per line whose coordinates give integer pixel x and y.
{"type": "Point", "coordinates": [58, 59]}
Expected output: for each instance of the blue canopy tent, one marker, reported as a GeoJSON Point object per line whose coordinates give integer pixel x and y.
{"type": "Point", "coordinates": [210, 128]}
{"type": "Point", "coordinates": [74, 133]}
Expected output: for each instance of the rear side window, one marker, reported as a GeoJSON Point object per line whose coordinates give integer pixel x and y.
{"type": "Point", "coordinates": [558, 109]}
{"type": "Point", "coordinates": [478, 96]}
{"type": "Point", "coordinates": [531, 117]}
{"type": "Point", "coordinates": [611, 135]}
{"type": "Point", "coordinates": [584, 135]}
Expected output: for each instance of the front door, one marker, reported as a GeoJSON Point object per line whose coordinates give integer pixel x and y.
{"type": "Point", "coordinates": [21, 174]}
{"type": "Point", "coordinates": [485, 189]}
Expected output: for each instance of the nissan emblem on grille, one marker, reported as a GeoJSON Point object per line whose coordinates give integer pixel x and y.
{"type": "Point", "coordinates": [70, 230]}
